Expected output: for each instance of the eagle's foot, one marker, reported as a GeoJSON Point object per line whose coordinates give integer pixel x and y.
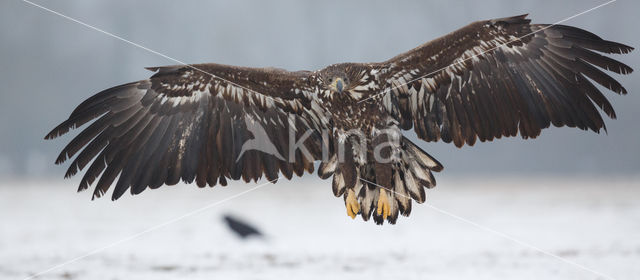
{"type": "Point", "coordinates": [351, 202]}
{"type": "Point", "coordinates": [384, 207]}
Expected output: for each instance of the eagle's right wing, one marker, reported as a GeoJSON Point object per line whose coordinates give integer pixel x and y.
{"type": "Point", "coordinates": [204, 122]}
{"type": "Point", "coordinates": [502, 77]}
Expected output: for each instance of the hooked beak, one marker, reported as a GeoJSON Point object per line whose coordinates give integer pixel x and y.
{"type": "Point", "coordinates": [339, 85]}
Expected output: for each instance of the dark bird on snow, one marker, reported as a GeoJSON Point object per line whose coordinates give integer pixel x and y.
{"type": "Point", "coordinates": [490, 79]}
{"type": "Point", "coordinates": [241, 228]}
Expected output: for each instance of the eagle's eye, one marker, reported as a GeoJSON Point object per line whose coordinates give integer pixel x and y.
{"type": "Point", "coordinates": [330, 80]}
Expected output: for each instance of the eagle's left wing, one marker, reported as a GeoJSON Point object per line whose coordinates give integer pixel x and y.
{"type": "Point", "coordinates": [499, 77]}
{"type": "Point", "coordinates": [196, 123]}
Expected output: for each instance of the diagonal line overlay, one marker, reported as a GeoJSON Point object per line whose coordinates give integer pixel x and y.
{"type": "Point", "coordinates": [206, 207]}
{"type": "Point", "coordinates": [487, 51]}
{"type": "Point", "coordinates": [499, 233]}
{"type": "Point", "coordinates": [150, 229]}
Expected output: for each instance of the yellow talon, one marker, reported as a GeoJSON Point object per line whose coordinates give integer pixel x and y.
{"type": "Point", "coordinates": [353, 207]}
{"type": "Point", "coordinates": [383, 204]}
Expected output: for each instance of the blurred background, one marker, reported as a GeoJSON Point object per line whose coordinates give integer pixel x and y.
{"type": "Point", "coordinates": [569, 191]}
{"type": "Point", "coordinates": [52, 64]}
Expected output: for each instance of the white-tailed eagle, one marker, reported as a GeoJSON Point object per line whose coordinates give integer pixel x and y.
{"type": "Point", "coordinates": [206, 122]}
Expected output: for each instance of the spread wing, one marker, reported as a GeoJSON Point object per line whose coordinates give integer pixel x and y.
{"type": "Point", "coordinates": [194, 123]}
{"type": "Point", "coordinates": [500, 77]}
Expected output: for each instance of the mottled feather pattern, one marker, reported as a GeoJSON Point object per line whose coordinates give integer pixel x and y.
{"type": "Point", "coordinates": [487, 80]}
{"type": "Point", "coordinates": [503, 77]}
{"type": "Point", "coordinates": [176, 126]}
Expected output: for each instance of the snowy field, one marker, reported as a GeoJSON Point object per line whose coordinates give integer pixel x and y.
{"type": "Point", "coordinates": [592, 222]}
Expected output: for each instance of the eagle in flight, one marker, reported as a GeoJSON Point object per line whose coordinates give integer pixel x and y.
{"type": "Point", "coordinates": [207, 122]}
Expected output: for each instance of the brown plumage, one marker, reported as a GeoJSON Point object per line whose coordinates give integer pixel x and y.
{"type": "Point", "coordinates": [487, 80]}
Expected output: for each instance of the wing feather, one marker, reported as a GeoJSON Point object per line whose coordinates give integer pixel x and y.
{"type": "Point", "coordinates": [503, 77]}
{"type": "Point", "coordinates": [187, 125]}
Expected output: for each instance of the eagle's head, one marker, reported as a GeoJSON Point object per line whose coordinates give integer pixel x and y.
{"type": "Point", "coordinates": [347, 80]}
{"type": "Point", "coordinates": [335, 79]}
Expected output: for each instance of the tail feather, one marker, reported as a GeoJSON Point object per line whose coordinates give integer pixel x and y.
{"type": "Point", "coordinates": [338, 185]}
{"type": "Point", "coordinates": [401, 195]}
{"type": "Point", "coordinates": [408, 176]}
{"type": "Point", "coordinates": [415, 190]}
{"type": "Point", "coordinates": [394, 208]}
{"type": "Point", "coordinates": [327, 168]}
{"type": "Point", "coordinates": [404, 178]}
{"type": "Point", "coordinates": [368, 199]}
{"type": "Point", "coordinates": [421, 156]}
{"type": "Point", "coordinates": [424, 176]}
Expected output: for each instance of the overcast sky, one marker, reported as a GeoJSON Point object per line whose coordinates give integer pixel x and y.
{"type": "Point", "coordinates": [51, 64]}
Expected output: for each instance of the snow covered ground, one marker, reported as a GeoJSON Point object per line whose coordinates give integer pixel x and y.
{"type": "Point", "coordinates": [592, 222]}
